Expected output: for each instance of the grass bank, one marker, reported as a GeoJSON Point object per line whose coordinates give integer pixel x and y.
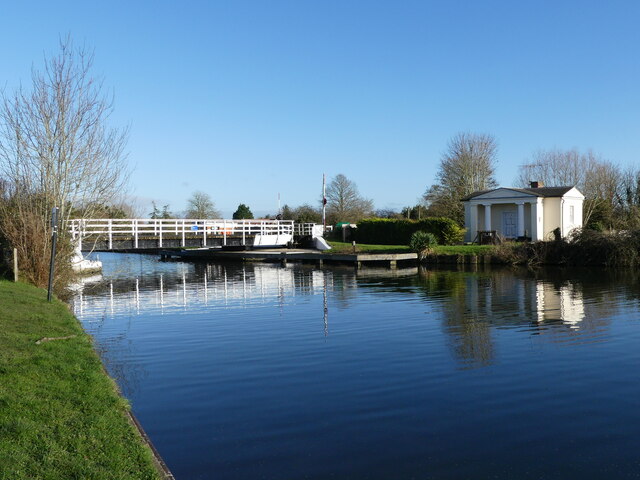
{"type": "Point", "coordinates": [61, 416]}
{"type": "Point", "coordinates": [341, 247]}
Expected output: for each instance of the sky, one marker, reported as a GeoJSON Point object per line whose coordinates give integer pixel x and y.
{"type": "Point", "coordinates": [245, 100]}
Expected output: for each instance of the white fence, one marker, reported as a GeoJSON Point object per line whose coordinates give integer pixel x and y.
{"type": "Point", "coordinates": [307, 229]}
{"type": "Point", "coordinates": [136, 228]}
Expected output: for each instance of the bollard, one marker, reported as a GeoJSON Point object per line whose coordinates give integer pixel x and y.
{"type": "Point", "coordinates": [15, 264]}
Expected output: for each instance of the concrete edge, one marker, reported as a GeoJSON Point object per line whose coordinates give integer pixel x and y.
{"type": "Point", "coordinates": [158, 461]}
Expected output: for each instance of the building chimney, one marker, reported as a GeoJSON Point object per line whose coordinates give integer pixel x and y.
{"type": "Point", "coordinates": [537, 184]}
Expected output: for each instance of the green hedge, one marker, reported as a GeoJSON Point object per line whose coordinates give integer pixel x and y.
{"type": "Point", "coordinates": [384, 231]}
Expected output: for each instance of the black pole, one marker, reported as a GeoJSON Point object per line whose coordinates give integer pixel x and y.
{"type": "Point", "coordinates": [54, 237]}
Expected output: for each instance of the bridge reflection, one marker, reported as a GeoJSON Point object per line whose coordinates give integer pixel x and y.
{"type": "Point", "coordinates": [474, 306]}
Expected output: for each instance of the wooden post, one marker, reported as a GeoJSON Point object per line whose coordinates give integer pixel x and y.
{"type": "Point", "coordinates": [204, 237]}
{"type": "Point", "coordinates": [184, 244]}
{"type": "Point", "coordinates": [110, 234]}
{"type": "Point", "coordinates": [15, 264]}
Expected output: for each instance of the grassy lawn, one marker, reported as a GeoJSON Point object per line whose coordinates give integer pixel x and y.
{"type": "Point", "coordinates": [60, 414]}
{"type": "Point", "coordinates": [340, 247]}
{"type": "Point", "coordinates": [463, 249]}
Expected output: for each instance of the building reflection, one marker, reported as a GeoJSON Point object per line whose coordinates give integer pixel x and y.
{"type": "Point", "coordinates": [476, 306]}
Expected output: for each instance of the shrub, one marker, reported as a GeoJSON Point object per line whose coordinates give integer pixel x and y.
{"type": "Point", "coordinates": [385, 231]}
{"type": "Point", "coordinates": [590, 247]}
{"type": "Point", "coordinates": [422, 243]}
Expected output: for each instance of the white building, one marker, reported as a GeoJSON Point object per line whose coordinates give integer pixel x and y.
{"type": "Point", "coordinates": [533, 212]}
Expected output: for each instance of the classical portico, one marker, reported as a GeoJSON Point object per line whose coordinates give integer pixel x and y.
{"type": "Point", "coordinates": [523, 213]}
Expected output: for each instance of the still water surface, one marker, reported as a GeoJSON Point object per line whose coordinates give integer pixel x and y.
{"type": "Point", "coordinates": [270, 372]}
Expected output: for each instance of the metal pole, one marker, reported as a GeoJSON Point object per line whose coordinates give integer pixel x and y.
{"type": "Point", "coordinates": [54, 237]}
{"type": "Point", "coordinates": [15, 264]}
{"type": "Point", "coordinates": [324, 203]}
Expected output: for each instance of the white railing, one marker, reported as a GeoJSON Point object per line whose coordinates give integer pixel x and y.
{"type": "Point", "coordinates": [307, 229]}
{"type": "Point", "coordinates": [136, 228]}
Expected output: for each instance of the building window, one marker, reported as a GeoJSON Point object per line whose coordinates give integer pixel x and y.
{"type": "Point", "coordinates": [571, 215]}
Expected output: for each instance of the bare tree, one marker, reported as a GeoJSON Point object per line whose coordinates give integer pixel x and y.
{"type": "Point", "coordinates": [630, 197]}
{"type": "Point", "coordinates": [468, 165]}
{"type": "Point", "coordinates": [200, 205]}
{"type": "Point", "coordinates": [598, 179]}
{"type": "Point", "coordinates": [344, 202]}
{"type": "Point", "coordinates": [56, 149]}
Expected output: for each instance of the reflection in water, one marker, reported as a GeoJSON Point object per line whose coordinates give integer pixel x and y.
{"type": "Point", "coordinates": [194, 286]}
{"type": "Point", "coordinates": [473, 304]}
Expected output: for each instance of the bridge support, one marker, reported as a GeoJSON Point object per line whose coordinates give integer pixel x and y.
{"type": "Point", "coordinates": [110, 229]}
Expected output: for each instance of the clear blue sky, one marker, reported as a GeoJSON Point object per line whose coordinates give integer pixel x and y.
{"type": "Point", "coordinates": [245, 99]}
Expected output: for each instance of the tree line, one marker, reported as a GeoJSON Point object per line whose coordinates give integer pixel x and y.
{"type": "Point", "coordinates": [57, 148]}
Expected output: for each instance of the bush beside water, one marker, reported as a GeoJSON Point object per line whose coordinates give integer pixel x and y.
{"type": "Point", "coordinates": [583, 247]}
{"type": "Point", "coordinates": [422, 243]}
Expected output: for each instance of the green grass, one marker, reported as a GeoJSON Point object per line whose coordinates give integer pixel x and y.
{"type": "Point", "coordinates": [61, 416]}
{"type": "Point", "coordinates": [463, 249]}
{"type": "Point", "coordinates": [341, 247]}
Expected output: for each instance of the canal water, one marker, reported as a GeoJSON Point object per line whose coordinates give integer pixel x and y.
{"type": "Point", "coordinates": [258, 371]}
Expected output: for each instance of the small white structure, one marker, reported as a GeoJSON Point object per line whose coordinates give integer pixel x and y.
{"type": "Point", "coordinates": [84, 265]}
{"type": "Point", "coordinates": [533, 212]}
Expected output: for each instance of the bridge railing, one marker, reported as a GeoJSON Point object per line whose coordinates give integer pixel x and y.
{"type": "Point", "coordinates": [307, 229]}
{"type": "Point", "coordinates": [137, 228]}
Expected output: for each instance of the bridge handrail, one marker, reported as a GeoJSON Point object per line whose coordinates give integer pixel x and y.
{"type": "Point", "coordinates": [113, 228]}
{"type": "Point", "coordinates": [176, 226]}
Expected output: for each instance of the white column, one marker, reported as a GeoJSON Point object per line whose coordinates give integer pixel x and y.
{"type": "Point", "coordinates": [473, 222]}
{"type": "Point", "coordinates": [487, 217]}
{"type": "Point", "coordinates": [520, 219]}
{"type": "Point", "coordinates": [537, 220]}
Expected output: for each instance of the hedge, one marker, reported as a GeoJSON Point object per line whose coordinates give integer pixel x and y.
{"type": "Point", "coordinates": [384, 231]}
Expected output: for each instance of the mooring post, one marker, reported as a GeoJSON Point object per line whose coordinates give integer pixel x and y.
{"type": "Point", "coordinates": [15, 264]}
{"type": "Point", "coordinates": [54, 237]}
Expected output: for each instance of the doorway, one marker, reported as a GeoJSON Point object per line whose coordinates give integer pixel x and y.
{"type": "Point", "coordinates": [509, 224]}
